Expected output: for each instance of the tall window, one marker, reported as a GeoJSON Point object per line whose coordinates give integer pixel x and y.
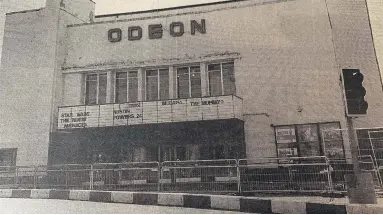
{"type": "Point", "coordinates": [221, 79]}
{"type": "Point", "coordinates": [133, 86]}
{"type": "Point", "coordinates": [189, 82]}
{"type": "Point", "coordinates": [126, 87]}
{"type": "Point", "coordinates": [95, 90]}
{"type": "Point", "coordinates": [121, 84]}
{"type": "Point", "coordinates": [157, 84]}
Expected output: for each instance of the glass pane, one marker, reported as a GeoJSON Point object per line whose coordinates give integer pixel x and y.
{"type": "Point", "coordinates": [308, 140]}
{"type": "Point", "coordinates": [133, 86]}
{"type": "Point", "coordinates": [285, 134]}
{"type": "Point", "coordinates": [167, 154]}
{"type": "Point", "coordinates": [307, 149]}
{"type": "Point", "coordinates": [219, 152]}
{"type": "Point", "coordinates": [195, 80]}
{"type": "Point", "coordinates": [126, 154]}
{"type": "Point", "coordinates": [7, 157]}
{"type": "Point", "coordinates": [121, 87]}
{"type": "Point", "coordinates": [152, 153]}
{"type": "Point", "coordinates": [133, 74]}
{"type": "Point", "coordinates": [133, 89]}
{"type": "Point", "coordinates": [213, 67]}
{"type": "Point", "coordinates": [139, 154]}
{"type": "Point", "coordinates": [164, 84]}
{"type": "Point", "coordinates": [181, 153]}
{"type": "Point", "coordinates": [102, 82]}
{"type": "Point", "coordinates": [332, 140]}
{"type": "Point", "coordinates": [183, 82]}
{"type": "Point", "coordinates": [307, 133]}
{"type": "Point", "coordinates": [151, 85]}
{"type": "Point", "coordinates": [287, 150]}
{"type": "Point", "coordinates": [215, 88]}
{"type": "Point", "coordinates": [91, 90]}
{"type": "Point", "coordinates": [233, 152]}
{"type": "Point", "coordinates": [330, 131]}
{"type": "Point", "coordinates": [228, 78]}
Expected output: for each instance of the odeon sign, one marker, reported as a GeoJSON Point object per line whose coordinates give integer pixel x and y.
{"type": "Point", "coordinates": [155, 31]}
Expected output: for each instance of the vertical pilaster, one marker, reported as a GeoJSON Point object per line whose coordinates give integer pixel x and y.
{"type": "Point", "coordinates": [172, 82]}
{"type": "Point", "coordinates": [204, 88]}
{"type": "Point", "coordinates": [110, 87]}
{"type": "Point", "coordinates": [83, 89]}
{"type": "Point", "coordinates": [141, 84]}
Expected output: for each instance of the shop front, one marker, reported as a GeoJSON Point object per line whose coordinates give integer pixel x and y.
{"type": "Point", "coordinates": [204, 128]}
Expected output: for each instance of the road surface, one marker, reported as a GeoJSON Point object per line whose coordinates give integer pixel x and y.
{"type": "Point", "coordinates": [53, 206]}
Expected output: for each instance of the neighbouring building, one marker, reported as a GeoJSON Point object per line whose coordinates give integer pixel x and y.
{"type": "Point", "coordinates": [235, 79]}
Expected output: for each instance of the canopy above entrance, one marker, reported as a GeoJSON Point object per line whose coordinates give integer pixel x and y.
{"type": "Point", "coordinates": [201, 140]}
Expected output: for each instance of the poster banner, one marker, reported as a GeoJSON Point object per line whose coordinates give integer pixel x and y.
{"type": "Point", "coordinates": [332, 140]}
{"type": "Point", "coordinates": [307, 133]}
{"type": "Point", "coordinates": [176, 110]}
{"type": "Point", "coordinates": [285, 134]}
{"type": "Point", "coordinates": [287, 152]}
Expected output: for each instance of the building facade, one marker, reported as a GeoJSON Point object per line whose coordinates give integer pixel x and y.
{"type": "Point", "coordinates": [241, 79]}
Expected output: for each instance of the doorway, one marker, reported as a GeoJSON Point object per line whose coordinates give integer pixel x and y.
{"type": "Point", "coordinates": [179, 152]}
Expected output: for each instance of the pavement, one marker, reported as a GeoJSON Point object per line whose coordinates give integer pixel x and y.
{"type": "Point", "coordinates": [53, 206]}
{"type": "Point", "coordinates": [316, 199]}
{"type": "Point", "coordinates": [264, 204]}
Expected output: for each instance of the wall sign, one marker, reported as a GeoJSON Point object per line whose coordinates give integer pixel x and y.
{"type": "Point", "coordinates": [155, 31]}
{"type": "Point", "coordinates": [177, 110]}
{"type": "Point", "coordinates": [285, 134]}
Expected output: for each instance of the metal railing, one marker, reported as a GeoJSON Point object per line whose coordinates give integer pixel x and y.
{"type": "Point", "coordinates": [340, 168]}
{"type": "Point", "coordinates": [200, 176]}
{"type": "Point", "coordinates": [303, 174]}
{"type": "Point", "coordinates": [293, 174]}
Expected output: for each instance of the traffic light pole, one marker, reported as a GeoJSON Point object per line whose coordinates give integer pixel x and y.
{"type": "Point", "coordinates": [360, 185]}
{"type": "Point", "coordinates": [353, 145]}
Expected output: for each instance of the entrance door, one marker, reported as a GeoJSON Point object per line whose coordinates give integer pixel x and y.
{"type": "Point", "coordinates": [174, 153]}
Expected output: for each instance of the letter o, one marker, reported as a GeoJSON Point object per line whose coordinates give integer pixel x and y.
{"type": "Point", "coordinates": [114, 35]}
{"type": "Point", "coordinates": [173, 25]}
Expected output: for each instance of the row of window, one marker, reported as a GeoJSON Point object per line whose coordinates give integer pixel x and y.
{"type": "Point", "coordinates": [220, 81]}
{"type": "Point", "coordinates": [307, 140]}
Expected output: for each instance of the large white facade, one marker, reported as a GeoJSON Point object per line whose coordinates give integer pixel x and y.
{"type": "Point", "coordinates": [287, 57]}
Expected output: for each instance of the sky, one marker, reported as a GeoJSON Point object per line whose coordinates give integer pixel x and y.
{"type": "Point", "coordinates": [102, 7]}
{"type": "Point", "coordinates": [107, 6]}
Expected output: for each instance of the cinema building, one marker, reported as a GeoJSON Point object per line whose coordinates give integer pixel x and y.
{"type": "Point", "coordinates": [235, 79]}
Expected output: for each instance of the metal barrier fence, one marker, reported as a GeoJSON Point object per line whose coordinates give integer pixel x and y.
{"type": "Point", "coordinates": [340, 168]}
{"type": "Point", "coordinates": [133, 176]}
{"type": "Point", "coordinates": [304, 174]}
{"type": "Point", "coordinates": [200, 176]}
{"type": "Point", "coordinates": [293, 174]}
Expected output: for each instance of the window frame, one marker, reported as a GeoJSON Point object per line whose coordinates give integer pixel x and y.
{"type": "Point", "coordinates": [189, 79]}
{"type": "Point", "coordinates": [221, 76]}
{"type": "Point", "coordinates": [13, 151]}
{"type": "Point", "coordinates": [128, 99]}
{"type": "Point", "coordinates": [115, 86]}
{"type": "Point", "coordinates": [158, 83]}
{"type": "Point", "coordinates": [297, 142]}
{"type": "Point", "coordinates": [127, 85]}
{"type": "Point", "coordinates": [97, 88]}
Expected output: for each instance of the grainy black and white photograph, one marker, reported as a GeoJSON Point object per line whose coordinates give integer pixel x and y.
{"type": "Point", "coordinates": [191, 106]}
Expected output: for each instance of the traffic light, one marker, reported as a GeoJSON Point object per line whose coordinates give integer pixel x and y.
{"type": "Point", "coordinates": [354, 92]}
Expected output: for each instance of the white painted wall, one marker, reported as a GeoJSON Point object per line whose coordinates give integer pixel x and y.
{"type": "Point", "coordinates": [375, 8]}
{"type": "Point", "coordinates": [33, 52]}
{"type": "Point", "coordinates": [287, 58]}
